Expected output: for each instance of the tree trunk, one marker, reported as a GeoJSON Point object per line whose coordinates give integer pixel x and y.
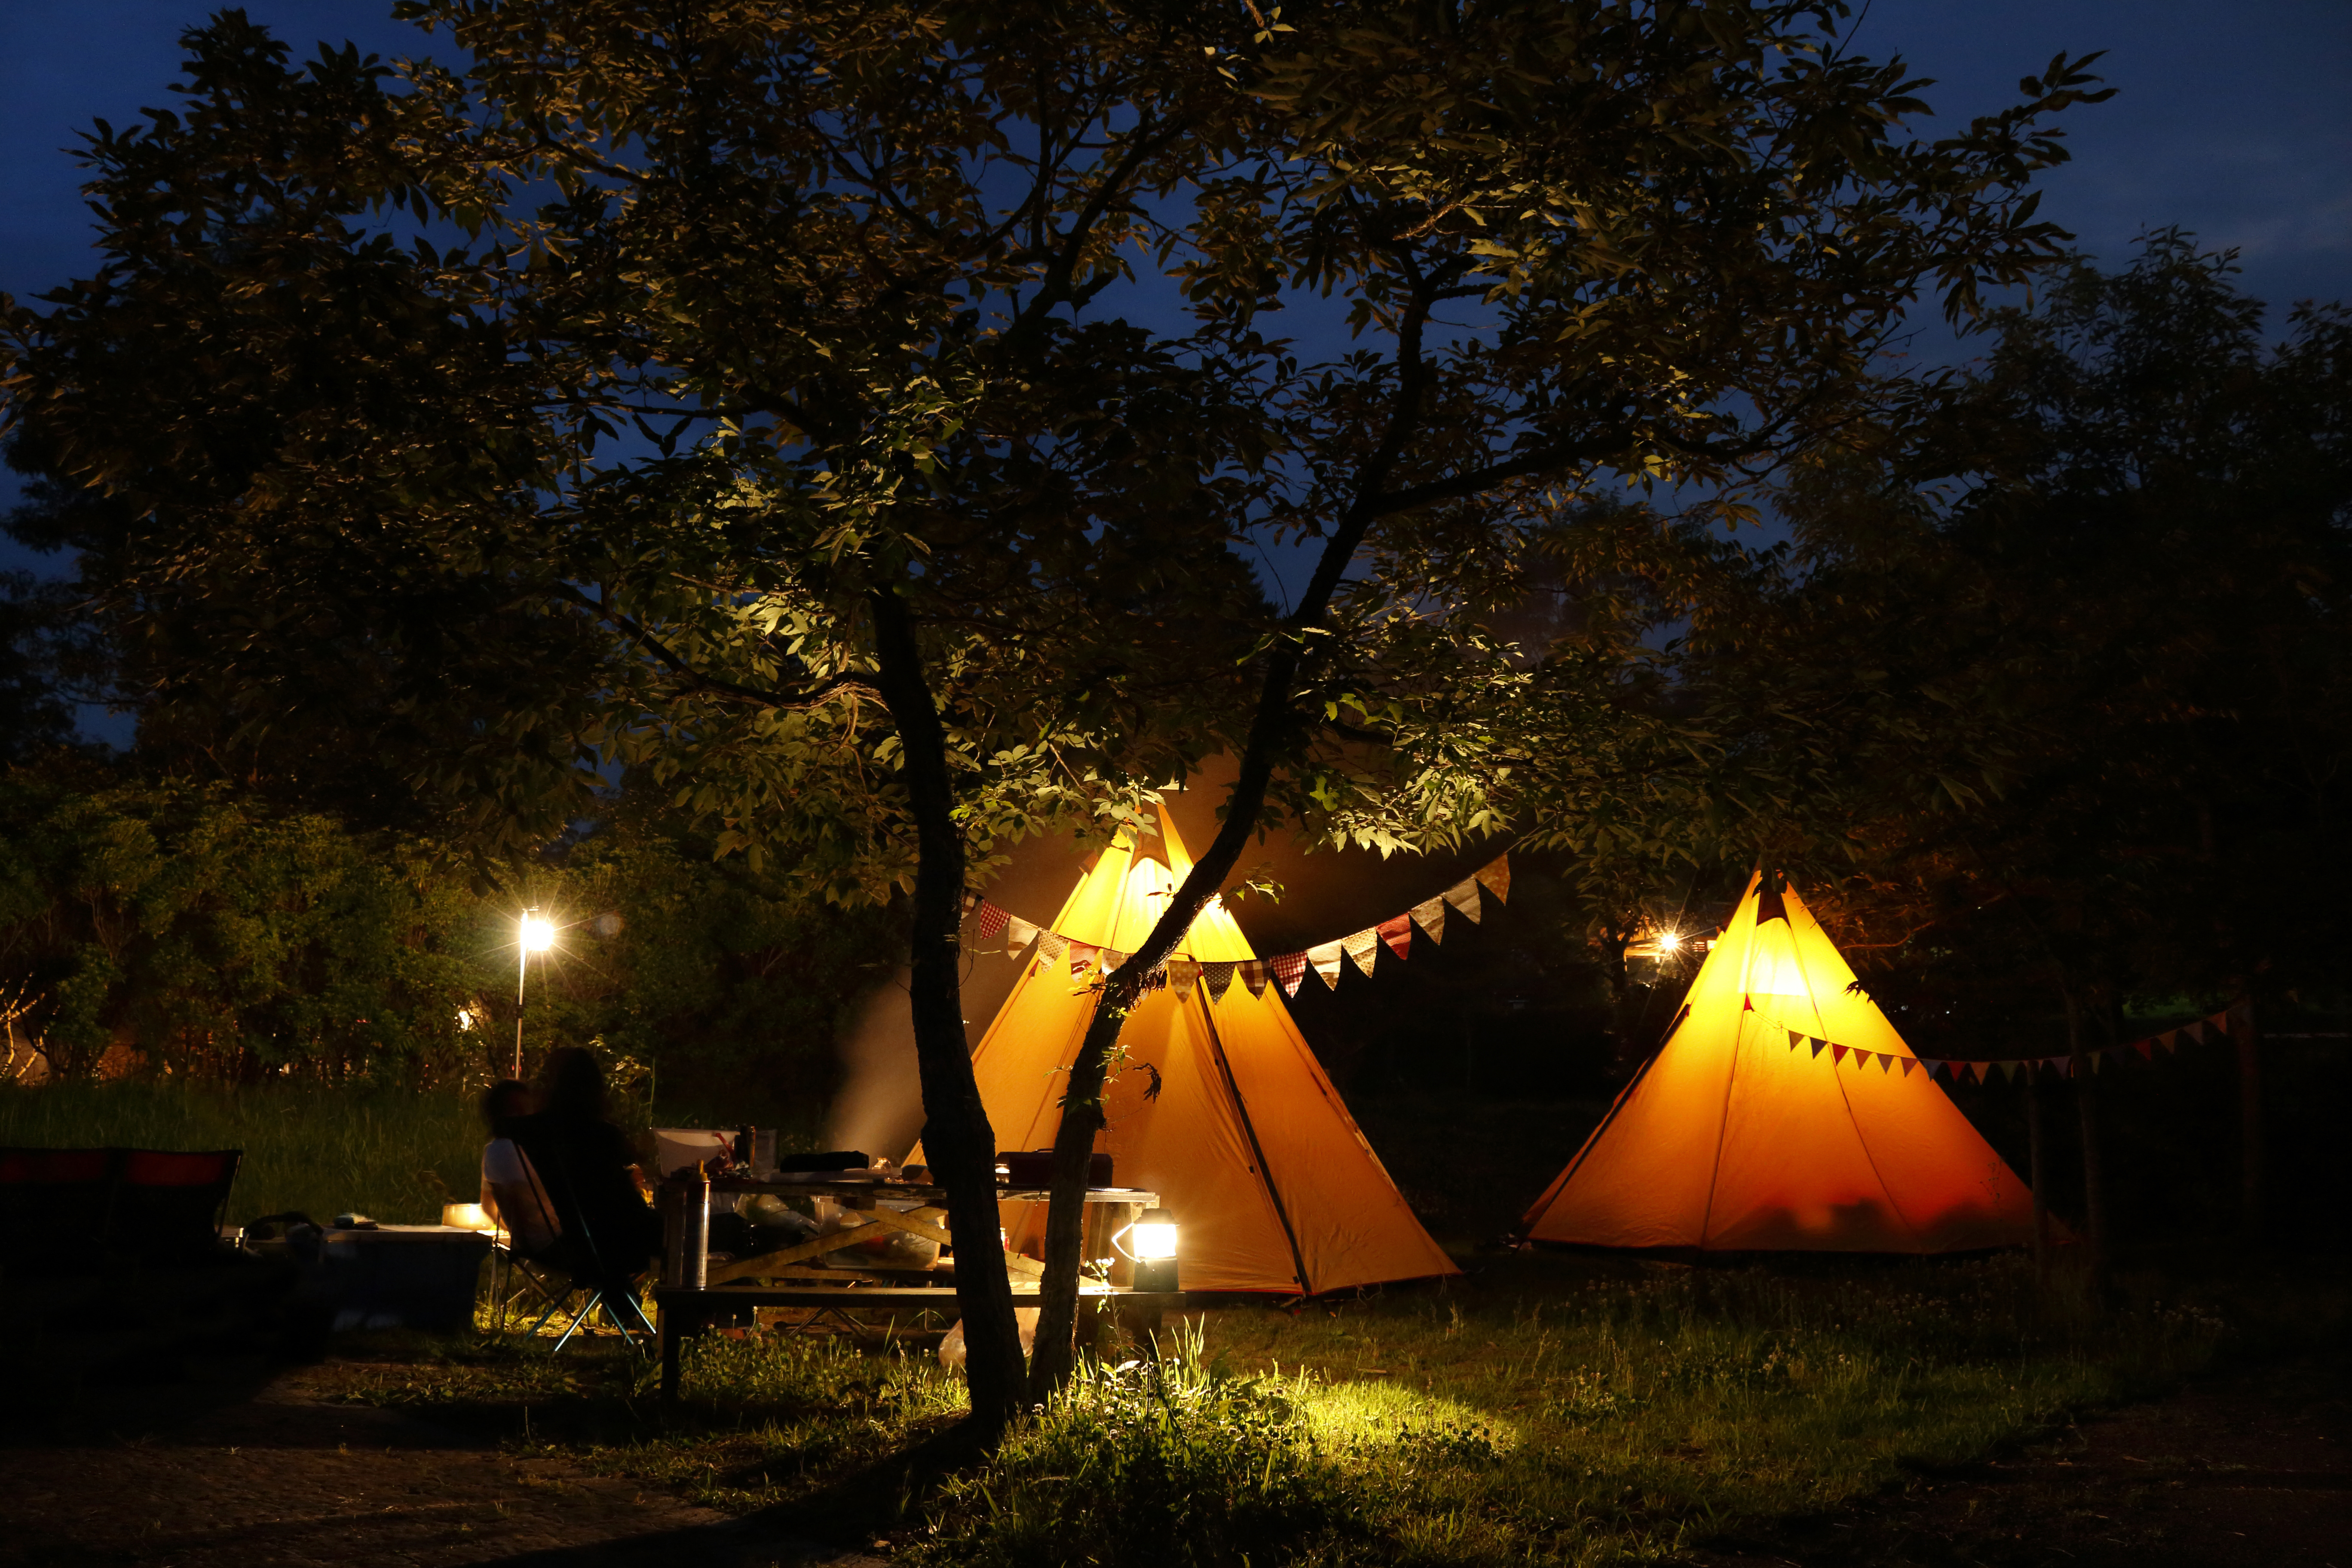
{"type": "Point", "coordinates": [2250, 1122]}
{"type": "Point", "coordinates": [1082, 1114]}
{"type": "Point", "coordinates": [2039, 1171]}
{"type": "Point", "coordinates": [957, 1138]}
{"type": "Point", "coordinates": [2094, 1175]}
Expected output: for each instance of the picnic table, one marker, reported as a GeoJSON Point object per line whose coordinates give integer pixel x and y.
{"type": "Point", "coordinates": [795, 1276]}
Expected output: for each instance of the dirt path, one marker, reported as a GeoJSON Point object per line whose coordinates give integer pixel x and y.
{"type": "Point", "coordinates": [2247, 1470]}
{"type": "Point", "coordinates": [280, 1478]}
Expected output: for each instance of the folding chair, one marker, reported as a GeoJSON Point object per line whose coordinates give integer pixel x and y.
{"type": "Point", "coordinates": [577, 1254]}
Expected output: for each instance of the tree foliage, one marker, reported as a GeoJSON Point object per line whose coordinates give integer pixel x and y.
{"type": "Point", "coordinates": [862, 420]}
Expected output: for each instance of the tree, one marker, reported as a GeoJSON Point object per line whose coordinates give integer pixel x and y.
{"type": "Point", "coordinates": [856, 417]}
{"type": "Point", "coordinates": [2076, 653]}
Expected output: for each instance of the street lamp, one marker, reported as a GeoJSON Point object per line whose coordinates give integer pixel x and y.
{"type": "Point", "coordinates": [537, 936]}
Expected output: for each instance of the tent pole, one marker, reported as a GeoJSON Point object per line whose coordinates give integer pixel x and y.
{"type": "Point", "coordinates": [2095, 1174]}
{"type": "Point", "coordinates": [1249, 1130]}
{"type": "Point", "coordinates": [2038, 1173]}
{"type": "Point", "coordinates": [2250, 1122]}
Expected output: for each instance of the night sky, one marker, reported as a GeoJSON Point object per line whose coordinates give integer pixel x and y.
{"type": "Point", "coordinates": [2233, 122]}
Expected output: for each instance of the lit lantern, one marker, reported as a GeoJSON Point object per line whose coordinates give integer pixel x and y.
{"type": "Point", "coordinates": [1152, 1241]}
{"type": "Point", "coordinates": [467, 1217]}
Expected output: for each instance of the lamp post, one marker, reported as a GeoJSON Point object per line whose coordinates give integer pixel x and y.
{"type": "Point", "coordinates": [538, 934]}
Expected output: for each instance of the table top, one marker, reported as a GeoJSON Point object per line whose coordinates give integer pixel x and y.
{"type": "Point", "coordinates": [407, 1233]}
{"type": "Point", "coordinates": [825, 1184]}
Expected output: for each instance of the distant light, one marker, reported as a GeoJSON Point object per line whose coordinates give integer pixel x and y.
{"type": "Point", "coordinates": [538, 933]}
{"type": "Point", "coordinates": [1669, 941]}
{"type": "Point", "coordinates": [465, 1020]}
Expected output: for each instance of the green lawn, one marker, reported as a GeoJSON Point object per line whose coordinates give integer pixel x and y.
{"type": "Point", "coordinates": [1553, 1410]}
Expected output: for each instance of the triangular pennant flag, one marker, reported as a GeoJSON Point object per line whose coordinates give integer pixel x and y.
{"type": "Point", "coordinates": [1184, 974]}
{"type": "Point", "coordinates": [2170, 1041]}
{"type": "Point", "coordinates": [2009, 1071]}
{"type": "Point", "coordinates": [1326, 960]}
{"type": "Point", "coordinates": [1837, 1055]}
{"type": "Point", "coordinates": [1817, 1045]}
{"type": "Point", "coordinates": [1496, 878]}
{"type": "Point", "coordinates": [1430, 913]}
{"type": "Point", "coordinates": [1112, 958]}
{"type": "Point", "coordinates": [1082, 957]}
{"type": "Point", "coordinates": [2147, 1049]}
{"type": "Point", "coordinates": [1397, 931]}
{"type": "Point", "coordinates": [992, 921]}
{"type": "Point", "coordinates": [1983, 1071]}
{"type": "Point", "coordinates": [1463, 899]}
{"type": "Point", "coordinates": [1364, 947]}
{"type": "Point", "coordinates": [1018, 934]}
{"type": "Point", "coordinates": [1885, 1062]}
{"type": "Point", "coordinates": [1218, 977]}
{"type": "Point", "coordinates": [1908, 1063]}
{"type": "Point", "coordinates": [1938, 1068]}
{"type": "Point", "coordinates": [1795, 1037]}
{"type": "Point", "coordinates": [1289, 969]}
{"type": "Point", "coordinates": [1253, 973]}
{"type": "Point", "coordinates": [1051, 945]}
{"type": "Point", "coordinates": [2193, 1033]}
{"type": "Point", "coordinates": [971, 902]}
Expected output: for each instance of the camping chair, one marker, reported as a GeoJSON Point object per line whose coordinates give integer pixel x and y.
{"type": "Point", "coordinates": [578, 1256]}
{"type": "Point", "coordinates": [169, 1205]}
{"type": "Point", "coordinates": [522, 1276]}
{"type": "Point", "coordinates": [59, 1205]}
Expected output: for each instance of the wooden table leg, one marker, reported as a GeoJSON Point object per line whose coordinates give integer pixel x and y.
{"type": "Point", "coordinates": [670, 1330]}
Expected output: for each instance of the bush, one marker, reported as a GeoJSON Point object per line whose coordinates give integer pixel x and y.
{"type": "Point", "coordinates": [1165, 1464]}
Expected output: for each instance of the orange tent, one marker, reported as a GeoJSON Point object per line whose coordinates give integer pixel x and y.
{"type": "Point", "coordinates": [1247, 1143]}
{"type": "Point", "coordinates": [1784, 1113]}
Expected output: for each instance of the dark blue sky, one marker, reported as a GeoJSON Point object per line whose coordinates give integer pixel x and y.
{"type": "Point", "coordinates": [2233, 121]}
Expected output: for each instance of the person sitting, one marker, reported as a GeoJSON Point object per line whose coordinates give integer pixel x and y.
{"type": "Point", "coordinates": [588, 1169]}
{"type": "Point", "coordinates": [513, 1193]}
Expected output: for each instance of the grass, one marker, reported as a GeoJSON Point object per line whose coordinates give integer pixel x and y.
{"type": "Point", "coordinates": [1552, 1410]}
{"type": "Point", "coordinates": [319, 1150]}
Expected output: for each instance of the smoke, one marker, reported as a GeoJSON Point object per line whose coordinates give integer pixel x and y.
{"type": "Point", "coordinates": [880, 1105]}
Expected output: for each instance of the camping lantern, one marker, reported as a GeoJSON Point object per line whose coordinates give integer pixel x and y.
{"type": "Point", "coordinates": [1151, 1239]}
{"type": "Point", "coordinates": [467, 1217]}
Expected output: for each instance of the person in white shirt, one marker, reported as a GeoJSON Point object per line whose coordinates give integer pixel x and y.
{"type": "Point", "coordinates": [513, 1193]}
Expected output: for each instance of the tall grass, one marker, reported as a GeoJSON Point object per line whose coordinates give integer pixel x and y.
{"type": "Point", "coordinates": [319, 1150]}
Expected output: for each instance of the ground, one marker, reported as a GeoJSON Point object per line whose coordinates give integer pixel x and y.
{"type": "Point", "coordinates": [2246, 1469]}
{"type": "Point", "coordinates": [237, 1472]}
{"type": "Point", "coordinates": [243, 1468]}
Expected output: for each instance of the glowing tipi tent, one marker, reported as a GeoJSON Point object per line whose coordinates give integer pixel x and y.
{"type": "Point", "coordinates": [1784, 1113]}
{"type": "Point", "coordinates": [1247, 1143]}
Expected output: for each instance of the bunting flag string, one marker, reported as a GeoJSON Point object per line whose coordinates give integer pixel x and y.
{"type": "Point", "coordinates": [2218, 1026]}
{"type": "Point", "coordinates": [1285, 969]}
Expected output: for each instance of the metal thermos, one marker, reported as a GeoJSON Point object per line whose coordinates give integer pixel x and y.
{"type": "Point", "coordinates": [686, 1261]}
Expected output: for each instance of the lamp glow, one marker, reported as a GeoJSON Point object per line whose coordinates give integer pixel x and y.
{"type": "Point", "coordinates": [538, 933]}
{"type": "Point", "coordinates": [1153, 1237]}
{"type": "Point", "coordinates": [1668, 940]}
{"type": "Point", "coordinates": [467, 1217]}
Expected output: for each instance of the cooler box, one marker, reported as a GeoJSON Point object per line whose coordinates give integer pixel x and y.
{"type": "Point", "coordinates": [405, 1276]}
